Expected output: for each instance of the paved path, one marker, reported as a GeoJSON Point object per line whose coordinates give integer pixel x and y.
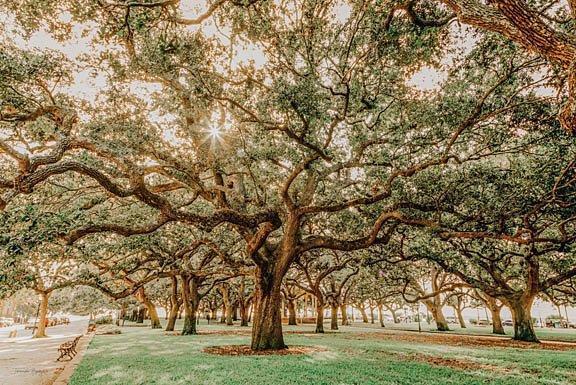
{"type": "Point", "coordinates": [28, 361]}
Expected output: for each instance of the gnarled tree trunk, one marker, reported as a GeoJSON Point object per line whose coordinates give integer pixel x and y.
{"type": "Point", "coordinates": [523, 327]}
{"type": "Point", "coordinates": [438, 315]}
{"type": "Point", "coordinates": [267, 318]}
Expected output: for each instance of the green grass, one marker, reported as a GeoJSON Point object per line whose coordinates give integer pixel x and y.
{"type": "Point", "coordinates": [550, 334]}
{"type": "Point", "coordinates": [145, 356]}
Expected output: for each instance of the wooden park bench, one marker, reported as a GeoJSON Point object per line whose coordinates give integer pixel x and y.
{"type": "Point", "coordinates": [68, 349]}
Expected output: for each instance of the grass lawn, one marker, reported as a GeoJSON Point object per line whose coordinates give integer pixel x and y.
{"type": "Point", "coordinates": [351, 356]}
{"type": "Point", "coordinates": [542, 333]}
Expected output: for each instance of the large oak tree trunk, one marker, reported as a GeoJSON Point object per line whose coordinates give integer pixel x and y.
{"type": "Point", "coordinates": [42, 315]}
{"type": "Point", "coordinates": [334, 317]}
{"type": "Point", "coordinates": [291, 312]}
{"type": "Point", "coordinates": [267, 318]}
{"type": "Point", "coordinates": [523, 327]}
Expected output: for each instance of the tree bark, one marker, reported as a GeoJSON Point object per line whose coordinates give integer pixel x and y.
{"type": "Point", "coordinates": [394, 315]}
{"type": "Point", "coordinates": [227, 305]}
{"type": "Point", "coordinates": [438, 315]}
{"type": "Point", "coordinates": [42, 315]}
{"type": "Point", "coordinates": [141, 314]}
{"type": "Point", "coordinates": [460, 317]}
{"type": "Point", "coordinates": [243, 304]}
{"type": "Point", "coordinates": [153, 314]}
{"type": "Point", "coordinates": [190, 301]}
{"type": "Point", "coordinates": [363, 312]}
{"type": "Point", "coordinates": [371, 314]}
{"type": "Point", "coordinates": [291, 312]}
{"type": "Point", "coordinates": [344, 313]}
{"type": "Point", "coordinates": [523, 327]}
{"type": "Point", "coordinates": [381, 316]}
{"type": "Point", "coordinates": [497, 327]}
{"type": "Point", "coordinates": [267, 319]}
{"type": "Point", "coordinates": [334, 317]}
{"type": "Point", "coordinates": [319, 315]}
{"type": "Point", "coordinates": [223, 316]}
{"type": "Point", "coordinates": [151, 309]}
{"type": "Point", "coordinates": [174, 306]}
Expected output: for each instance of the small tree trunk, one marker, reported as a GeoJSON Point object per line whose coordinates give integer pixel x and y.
{"type": "Point", "coordinates": [190, 302]}
{"type": "Point", "coordinates": [150, 308]}
{"type": "Point", "coordinates": [523, 327]}
{"type": "Point", "coordinates": [394, 316]}
{"type": "Point", "coordinates": [227, 311]}
{"type": "Point", "coordinates": [223, 316]}
{"type": "Point", "coordinates": [42, 314]}
{"type": "Point", "coordinates": [319, 315]}
{"type": "Point", "coordinates": [460, 317]}
{"type": "Point", "coordinates": [267, 319]}
{"type": "Point", "coordinates": [438, 315]}
{"type": "Point", "coordinates": [371, 314]}
{"type": "Point", "coordinates": [497, 327]}
{"type": "Point", "coordinates": [174, 306]}
{"type": "Point", "coordinates": [243, 303]}
{"type": "Point", "coordinates": [334, 317]}
{"type": "Point", "coordinates": [291, 312]}
{"type": "Point", "coordinates": [344, 313]}
{"type": "Point", "coordinates": [229, 316]}
{"type": "Point", "coordinates": [380, 315]}
{"type": "Point", "coordinates": [174, 309]}
{"type": "Point", "coordinates": [153, 314]}
{"type": "Point", "coordinates": [243, 312]}
{"type": "Point", "coordinates": [141, 314]}
{"type": "Point", "coordinates": [363, 312]}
